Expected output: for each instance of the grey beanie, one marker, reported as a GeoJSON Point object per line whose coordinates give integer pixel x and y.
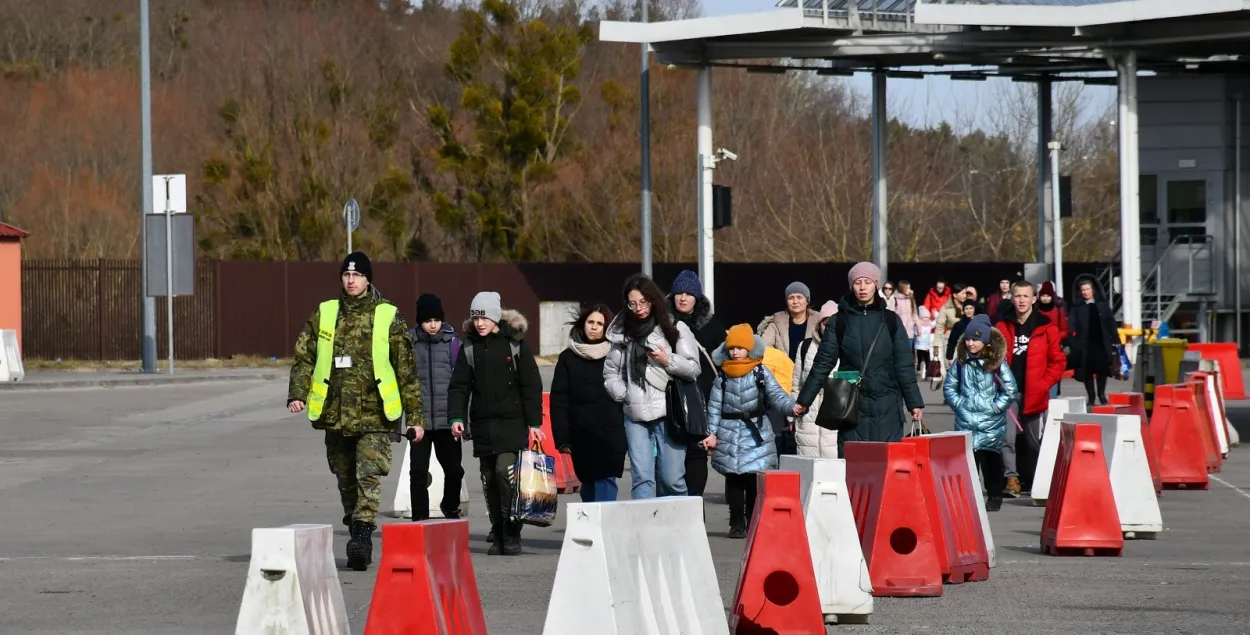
{"type": "Point", "coordinates": [486, 305]}
{"type": "Point", "coordinates": [799, 287]}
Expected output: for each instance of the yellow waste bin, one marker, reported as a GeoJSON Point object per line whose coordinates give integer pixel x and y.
{"type": "Point", "coordinates": [1171, 351]}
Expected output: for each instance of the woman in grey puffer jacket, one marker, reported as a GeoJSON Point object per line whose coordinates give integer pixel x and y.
{"type": "Point", "coordinates": [648, 349]}
{"type": "Point", "coordinates": [741, 436]}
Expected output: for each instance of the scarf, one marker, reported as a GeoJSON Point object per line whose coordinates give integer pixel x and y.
{"type": "Point", "coordinates": [637, 333]}
{"type": "Point", "coordinates": [590, 350]}
{"type": "Point", "coordinates": [739, 367]}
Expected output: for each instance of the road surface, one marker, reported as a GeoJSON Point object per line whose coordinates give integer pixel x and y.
{"type": "Point", "coordinates": [129, 510]}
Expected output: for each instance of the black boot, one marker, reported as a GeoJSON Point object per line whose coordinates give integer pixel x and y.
{"type": "Point", "coordinates": [512, 539]}
{"type": "Point", "coordinates": [737, 524]}
{"type": "Point", "coordinates": [360, 546]}
{"type": "Point", "coordinates": [993, 503]}
{"type": "Point", "coordinates": [494, 532]}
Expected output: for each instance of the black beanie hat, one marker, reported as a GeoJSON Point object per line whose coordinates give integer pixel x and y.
{"type": "Point", "coordinates": [429, 307]}
{"type": "Point", "coordinates": [357, 261]}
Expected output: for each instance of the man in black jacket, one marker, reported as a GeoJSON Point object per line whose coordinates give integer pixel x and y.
{"type": "Point", "coordinates": [692, 307]}
{"type": "Point", "coordinates": [507, 413]}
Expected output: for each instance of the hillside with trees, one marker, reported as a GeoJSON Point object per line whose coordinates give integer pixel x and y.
{"type": "Point", "coordinates": [496, 131]}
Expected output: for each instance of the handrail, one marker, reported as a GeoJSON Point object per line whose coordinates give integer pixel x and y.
{"type": "Point", "coordinates": [1153, 276]}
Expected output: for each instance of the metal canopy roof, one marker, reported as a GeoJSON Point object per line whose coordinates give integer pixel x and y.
{"type": "Point", "coordinates": [1007, 37]}
{"type": "Point", "coordinates": [1070, 13]}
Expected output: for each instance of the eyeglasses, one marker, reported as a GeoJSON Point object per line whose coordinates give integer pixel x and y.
{"type": "Point", "coordinates": [889, 288]}
{"type": "Point", "coordinates": [634, 306]}
{"type": "Point", "coordinates": [348, 275]}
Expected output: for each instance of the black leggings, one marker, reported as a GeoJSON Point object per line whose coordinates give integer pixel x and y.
{"type": "Point", "coordinates": [696, 470]}
{"type": "Point", "coordinates": [1100, 381]}
{"type": "Point", "coordinates": [991, 464]}
{"type": "Point", "coordinates": [740, 494]}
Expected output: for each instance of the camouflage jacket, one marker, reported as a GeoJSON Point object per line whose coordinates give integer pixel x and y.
{"type": "Point", "coordinates": [354, 405]}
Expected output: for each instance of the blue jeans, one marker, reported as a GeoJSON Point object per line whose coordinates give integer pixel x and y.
{"type": "Point", "coordinates": [649, 447]}
{"type": "Point", "coordinates": [599, 491]}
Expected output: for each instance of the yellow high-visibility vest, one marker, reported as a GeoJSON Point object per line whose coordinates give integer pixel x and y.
{"type": "Point", "coordinates": [383, 372]}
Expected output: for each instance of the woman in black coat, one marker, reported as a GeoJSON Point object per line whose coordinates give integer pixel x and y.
{"type": "Point", "coordinates": [585, 421]}
{"type": "Point", "coordinates": [689, 305]}
{"type": "Point", "coordinates": [1093, 338]}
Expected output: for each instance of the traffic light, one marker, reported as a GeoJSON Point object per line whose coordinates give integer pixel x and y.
{"type": "Point", "coordinates": [1065, 196]}
{"type": "Point", "coordinates": [722, 206]}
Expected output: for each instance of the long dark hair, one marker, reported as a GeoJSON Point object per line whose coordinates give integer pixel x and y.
{"type": "Point", "coordinates": [577, 329]}
{"type": "Point", "coordinates": [641, 283]}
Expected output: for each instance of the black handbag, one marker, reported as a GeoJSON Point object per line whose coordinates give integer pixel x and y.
{"type": "Point", "coordinates": [839, 409]}
{"type": "Point", "coordinates": [686, 417]}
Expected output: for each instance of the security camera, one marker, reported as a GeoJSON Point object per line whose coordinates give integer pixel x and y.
{"type": "Point", "coordinates": [726, 154]}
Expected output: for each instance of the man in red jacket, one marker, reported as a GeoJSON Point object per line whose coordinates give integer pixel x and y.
{"type": "Point", "coordinates": [1037, 362]}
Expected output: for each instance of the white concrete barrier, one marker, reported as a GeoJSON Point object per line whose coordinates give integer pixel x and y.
{"type": "Point", "coordinates": [979, 493]}
{"type": "Point", "coordinates": [1234, 438]}
{"type": "Point", "coordinates": [292, 584]}
{"type": "Point", "coordinates": [1215, 411]}
{"type": "Point", "coordinates": [841, 571]}
{"type": "Point", "coordinates": [1059, 406]}
{"type": "Point", "coordinates": [1131, 483]}
{"type": "Point", "coordinates": [636, 568]}
{"type": "Point", "coordinates": [11, 368]}
{"type": "Point", "coordinates": [402, 507]}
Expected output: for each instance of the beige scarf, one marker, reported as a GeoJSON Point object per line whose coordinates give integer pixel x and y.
{"type": "Point", "coordinates": [598, 350]}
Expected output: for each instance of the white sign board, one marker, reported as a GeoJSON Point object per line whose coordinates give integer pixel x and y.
{"type": "Point", "coordinates": [169, 192]}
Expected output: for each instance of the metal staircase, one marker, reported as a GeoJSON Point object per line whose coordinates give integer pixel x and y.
{"type": "Point", "coordinates": [1181, 280]}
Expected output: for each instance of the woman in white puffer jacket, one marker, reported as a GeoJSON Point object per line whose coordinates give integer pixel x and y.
{"type": "Point", "coordinates": [647, 350]}
{"type": "Point", "coordinates": [811, 439]}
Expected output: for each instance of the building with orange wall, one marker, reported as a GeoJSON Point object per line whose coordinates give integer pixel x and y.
{"type": "Point", "coordinates": [11, 279]}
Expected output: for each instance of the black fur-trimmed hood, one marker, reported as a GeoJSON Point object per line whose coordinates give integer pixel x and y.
{"type": "Point", "coordinates": [698, 318]}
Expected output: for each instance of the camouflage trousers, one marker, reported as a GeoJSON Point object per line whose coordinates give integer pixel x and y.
{"type": "Point", "coordinates": [359, 463]}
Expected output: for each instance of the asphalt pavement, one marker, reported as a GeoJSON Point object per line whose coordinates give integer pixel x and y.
{"type": "Point", "coordinates": [128, 509]}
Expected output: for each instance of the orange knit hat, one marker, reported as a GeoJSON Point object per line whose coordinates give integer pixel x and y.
{"type": "Point", "coordinates": [740, 336]}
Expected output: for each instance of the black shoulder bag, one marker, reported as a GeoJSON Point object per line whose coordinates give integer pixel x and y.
{"type": "Point", "coordinates": [839, 410]}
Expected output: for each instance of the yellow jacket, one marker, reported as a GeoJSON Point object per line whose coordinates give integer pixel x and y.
{"type": "Point", "coordinates": [781, 366]}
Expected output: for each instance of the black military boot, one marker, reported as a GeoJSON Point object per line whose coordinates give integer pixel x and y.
{"type": "Point", "coordinates": [512, 539]}
{"type": "Point", "coordinates": [494, 532]}
{"type": "Point", "coordinates": [360, 546]}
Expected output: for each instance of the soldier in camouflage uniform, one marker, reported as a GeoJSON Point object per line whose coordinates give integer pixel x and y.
{"type": "Point", "coordinates": [357, 402]}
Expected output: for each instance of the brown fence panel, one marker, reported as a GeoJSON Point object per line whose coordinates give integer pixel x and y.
{"type": "Point", "coordinates": [90, 310]}
{"type": "Point", "coordinates": [252, 311]}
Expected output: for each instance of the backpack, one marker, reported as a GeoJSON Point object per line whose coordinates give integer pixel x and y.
{"type": "Point", "coordinates": [760, 386]}
{"type": "Point", "coordinates": [468, 352]}
{"type": "Point", "coordinates": [454, 350]}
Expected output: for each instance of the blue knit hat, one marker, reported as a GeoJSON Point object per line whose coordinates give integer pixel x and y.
{"type": "Point", "coordinates": [687, 282]}
{"type": "Point", "coordinates": [978, 328]}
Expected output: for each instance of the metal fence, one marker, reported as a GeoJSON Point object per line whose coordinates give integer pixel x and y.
{"type": "Point", "coordinates": [90, 310]}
